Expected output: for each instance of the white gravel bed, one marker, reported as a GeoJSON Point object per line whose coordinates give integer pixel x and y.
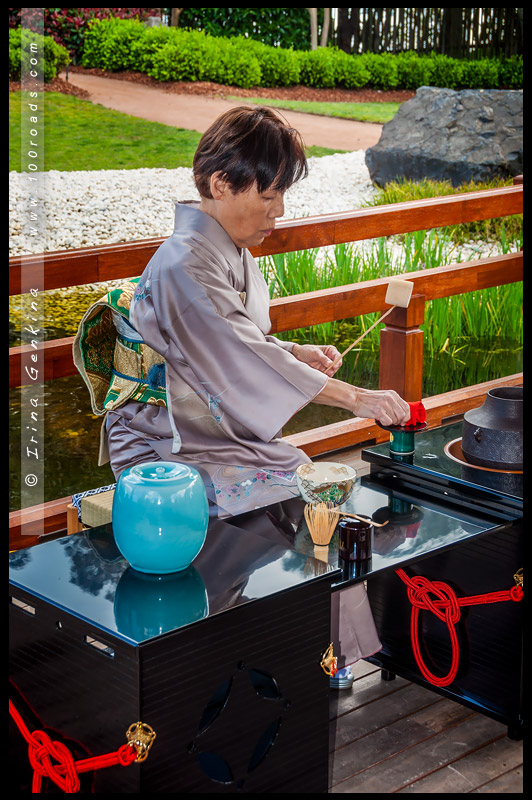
{"type": "Point", "coordinates": [108, 206]}
{"type": "Point", "coordinates": [87, 208]}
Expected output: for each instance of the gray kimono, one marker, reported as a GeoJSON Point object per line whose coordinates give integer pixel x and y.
{"type": "Point", "coordinates": [230, 386]}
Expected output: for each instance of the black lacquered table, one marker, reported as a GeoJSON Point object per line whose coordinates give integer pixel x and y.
{"type": "Point", "coordinates": [480, 576]}
{"type": "Point", "coordinates": [223, 660]}
{"type": "Point", "coordinates": [448, 525]}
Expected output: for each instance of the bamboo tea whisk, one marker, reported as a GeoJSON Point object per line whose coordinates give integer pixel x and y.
{"type": "Point", "coordinates": [321, 519]}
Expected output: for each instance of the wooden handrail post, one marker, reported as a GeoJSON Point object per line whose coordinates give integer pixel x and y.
{"type": "Point", "coordinates": [401, 355]}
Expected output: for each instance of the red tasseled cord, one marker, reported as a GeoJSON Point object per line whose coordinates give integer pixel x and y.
{"type": "Point", "coordinates": [63, 771]}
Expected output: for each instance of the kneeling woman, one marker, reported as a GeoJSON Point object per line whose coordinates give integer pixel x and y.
{"type": "Point", "coordinates": [195, 375]}
{"type": "Point", "coordinates": [182, 362]}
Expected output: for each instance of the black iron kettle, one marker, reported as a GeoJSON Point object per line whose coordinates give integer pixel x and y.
{"type": "Point", "coordinates": [492, 435]}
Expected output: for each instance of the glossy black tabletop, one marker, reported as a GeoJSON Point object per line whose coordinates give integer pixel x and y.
{"type": "Point", "coordinates": [434, 458]}
{"type": "Point", "coordinates": [86, 575]}
{"type": "Point", "coordinates": [415, 529]}
{"type": "Point", "coordinates": [244, 558]}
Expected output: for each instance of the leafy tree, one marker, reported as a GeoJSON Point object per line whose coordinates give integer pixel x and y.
{"type": "Point", "coordinates": [280, 27]}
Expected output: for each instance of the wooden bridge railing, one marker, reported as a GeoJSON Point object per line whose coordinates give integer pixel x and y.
{"type": "Point", "coordinates": [401, 352]}
{"type": "Point", "coordinates": [109, 262]}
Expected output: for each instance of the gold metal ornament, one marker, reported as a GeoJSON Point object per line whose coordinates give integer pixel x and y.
{"type": "Point", "coordinates": [518, 577]}
{"type": "Point", "coordinates": [329, 662]}
{"type": "Point", "coordinates": [140, 736]}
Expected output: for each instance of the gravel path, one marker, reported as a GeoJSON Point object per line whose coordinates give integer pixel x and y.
{"type": "Point", "coordinates": [88, 208]}
{"type": "Point", "coordinates": [197, 112]}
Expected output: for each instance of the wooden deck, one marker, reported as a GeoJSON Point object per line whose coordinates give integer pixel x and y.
{"type": "Point", "coordinates": [395, 736]}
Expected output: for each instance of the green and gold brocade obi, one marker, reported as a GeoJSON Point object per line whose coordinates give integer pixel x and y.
{"type": "Point", "coordinates": [115, 365]}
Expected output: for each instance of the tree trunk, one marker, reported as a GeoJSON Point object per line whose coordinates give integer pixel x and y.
{"type": "Point", "coordinates": [386, 26]}
{"type": "Point", "coordinates": [325, 27]}
{"type": "Point", "coordinates": [414, 28]}
{"type": "Point", "coordinates": [313, 28]}
{"type": "Point", "coordinates": [517, 39]}
{"type": "Point", "coordinates": [347, 20]}
{"type": "Point", "coordinates": [375, 29]}
{"type": "Point", "coordinates": [174, 16]}
{"type": "Point", "coordinates": [452, 32]}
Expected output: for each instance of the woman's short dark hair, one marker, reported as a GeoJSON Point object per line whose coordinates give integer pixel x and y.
{"type": "Point", "coordinates": [248, 145]}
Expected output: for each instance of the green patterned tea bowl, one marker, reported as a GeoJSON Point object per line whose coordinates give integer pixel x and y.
{"type": "Point", "coordinates": [325, 482]}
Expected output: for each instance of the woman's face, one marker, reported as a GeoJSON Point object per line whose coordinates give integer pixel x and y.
{"type": "Point", "coordinates": [248, 217]}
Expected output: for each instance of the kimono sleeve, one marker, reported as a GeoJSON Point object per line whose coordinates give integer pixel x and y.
{"type": "Point", "coordinates": [280, 343]}
{"type": "Point", "coordinates": [194, 313]}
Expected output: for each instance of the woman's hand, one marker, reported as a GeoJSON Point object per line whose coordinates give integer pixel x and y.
{"type": "Point", "coordinates": [318, 356]}
{"type": "Point", "coordinates": [383, 405]}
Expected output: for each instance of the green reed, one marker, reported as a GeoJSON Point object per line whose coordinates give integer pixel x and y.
{"type": "Point", "coordinates": [494, 314]}
{"type": "Point", "coordinates": [469, 338]}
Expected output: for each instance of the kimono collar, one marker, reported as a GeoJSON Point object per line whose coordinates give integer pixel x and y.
{"type": "Point", "coordinates": [189, 215]}
{"type": "Point", "coordinates": [257, 300]}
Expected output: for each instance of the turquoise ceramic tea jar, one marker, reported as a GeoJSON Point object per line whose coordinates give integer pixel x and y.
{"type": "Point", "coordinates": [160, 516]}
{"type": "Point", "coordinates": [150, 605]}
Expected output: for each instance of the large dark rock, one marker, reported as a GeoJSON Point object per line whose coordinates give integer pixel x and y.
{"type": "Point", "coordinates": [473, 134]}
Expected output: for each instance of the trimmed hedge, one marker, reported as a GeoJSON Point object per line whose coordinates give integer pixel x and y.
{"type": "Point", "coordinates": [53, 55]}
{"type": "Point", "coordinates": [67, 25]}
{"type": "Point", "coordinates": [110, 44]}
{"type": "Point", "coordinates": [279, 66]}
{"type": "Point", "coordinates": [172, 54]}
{"type": "Point", "coordinates": [194, 55]}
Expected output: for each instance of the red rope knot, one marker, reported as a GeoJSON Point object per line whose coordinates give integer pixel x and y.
{"type": "Point", "coordinates": [63, 773]}
{"type": "Point", "coordinates": [445, 607]}
{"type": "Point", "coordinates": [441, 599]}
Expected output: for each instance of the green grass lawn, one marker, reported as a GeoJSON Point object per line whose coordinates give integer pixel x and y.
{"type": "Point", "coordinates": [363, 112]}
{"type": "Point", "coordinates": [80, 135]}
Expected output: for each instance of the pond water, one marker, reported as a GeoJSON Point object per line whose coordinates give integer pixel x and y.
{"type": "Point", "coordinates": [71, 431]}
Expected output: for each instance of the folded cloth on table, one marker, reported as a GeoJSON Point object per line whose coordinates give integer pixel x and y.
{"type": "Point", "coordinates": [77, 498]}
{"type": "Point", "coordinates": [418, 414]}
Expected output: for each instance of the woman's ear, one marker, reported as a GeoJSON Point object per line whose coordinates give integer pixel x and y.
{"type": "Point", "coordinates": [218, 185]}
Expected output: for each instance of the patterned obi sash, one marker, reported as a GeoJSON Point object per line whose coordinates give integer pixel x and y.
{"type": "Point", "coordinates": [117, 367]}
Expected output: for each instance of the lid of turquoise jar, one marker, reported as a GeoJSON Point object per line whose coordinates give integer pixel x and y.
{"type": "Point", "coordinates": [157, 471]}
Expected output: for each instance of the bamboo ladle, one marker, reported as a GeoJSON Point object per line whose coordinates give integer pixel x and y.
{"type": "Point", "coordinates": [398, 295]}
{"type": "Point", "coordinates": [364, 519]}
